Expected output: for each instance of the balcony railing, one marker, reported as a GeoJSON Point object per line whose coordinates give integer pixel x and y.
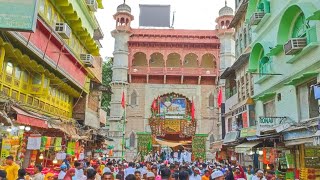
{"type": "Point", "coordinates": [177, 71]}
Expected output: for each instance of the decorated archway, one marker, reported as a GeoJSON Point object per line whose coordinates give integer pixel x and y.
{"type": "Point", "coordinates": [173, 118]}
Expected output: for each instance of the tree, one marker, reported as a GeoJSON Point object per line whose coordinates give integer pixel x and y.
{"type": "Point", "coordinates": [106, 80]}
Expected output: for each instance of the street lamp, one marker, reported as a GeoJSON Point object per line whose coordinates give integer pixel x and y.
{"type": "Point", "coordinates": [27, 128]}
{"type": "Point", "coordinates": [21, 127]}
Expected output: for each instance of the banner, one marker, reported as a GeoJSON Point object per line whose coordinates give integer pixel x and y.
{"type": "Point", "coordinates": [57, 144]}
{"type": "Point", "coordinates": [71, 147]}
{"type": "Point", "coordinates": [6, 146]}
{"type": "Point", "coordinates": [245, 119]}
{"type": "Point", "coordinates": [34, 143]}
{"type": "Point", "coordinates": [18, 15]}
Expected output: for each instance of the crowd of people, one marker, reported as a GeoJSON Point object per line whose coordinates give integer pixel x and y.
{"type": "Point", "coordinates": [148, 170]}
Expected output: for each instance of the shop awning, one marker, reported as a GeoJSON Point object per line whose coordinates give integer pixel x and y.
{"type": "Point", "coordinates": [68, 129]}
{"type": "Point", "coordinates": [298, 141]}
{"type": "Point", "coordinates": [26, 118]}
{"type": "Point", "coordinates": [247, 146]}
{"type": "Point", "coordinates": [231, 137]}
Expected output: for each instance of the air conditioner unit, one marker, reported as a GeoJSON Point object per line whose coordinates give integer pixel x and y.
{"type": "Point", "coordinates": [256, 18]}
{"type": "Point", "coordinates": [63, 30]}
{"type": "Point", "coordinates": [294, 45]}
{"type": "Point", "coordinates": [87, 59]}
{"type": "Point", "coordinates": [92, 5]}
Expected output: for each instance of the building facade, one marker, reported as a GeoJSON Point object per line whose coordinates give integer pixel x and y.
{"type": "Point", "coordinates": [50, 78]}
{"type": "Point", "coordinates": [156, 69]}
{"type": "Point", "coordinates": [274, 85]}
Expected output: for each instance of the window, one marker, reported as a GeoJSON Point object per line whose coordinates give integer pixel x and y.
{"type": "Point", "coordinates": [269, 108]}
{"type": "Point", "coordinates": [36, 79]}
{"type": "Point", "coordinates": [211, 139]}
{"type": "Point", "coordinates": [211, 100]}
{"type": "Point", "coordinates": [46, 82]}
{"type": "Point", "coordinates": [308, 105]}
{"type": "Point", "coordinates": [17, 73]}
{"type": "Point", "coordinates": [245, 38]}
{"type": "Point", "coordinates": [41, 6]}
{"type": "Point", "coordinates": [25, 76]}
{"type": "Point", "coordinates": [229, 125]}
{"type": "Point", "coordinates": [264, 66]}
{"type": "Point", "coordinates": [49, 12]}
{"type": "Point", "coordinates": [134, 98]}
{"type": "Point", "coordinates": [299, 28]}
{"type": "Point", "coordinates": [9, 68]}
{"type": "Point", "coordinates": [132, 140]}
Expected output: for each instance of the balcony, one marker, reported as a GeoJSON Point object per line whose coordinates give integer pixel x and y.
{"type": "Point", "coordinates": [173, 71]}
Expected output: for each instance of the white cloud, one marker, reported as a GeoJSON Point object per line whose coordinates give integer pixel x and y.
{"type": "Point", "coordinates": [190, 14]}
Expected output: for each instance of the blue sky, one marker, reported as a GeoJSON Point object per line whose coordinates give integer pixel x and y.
{"type": "Point", "coordinates": [190, 14]}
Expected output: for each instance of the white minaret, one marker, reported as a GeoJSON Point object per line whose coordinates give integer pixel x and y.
{"type": "Point", "coordinates": [227, 54]}
{"type": "Point", "coordinates": [119, 82]}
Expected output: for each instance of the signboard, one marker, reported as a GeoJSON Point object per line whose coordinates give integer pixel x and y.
{"type": "Point", "coordinates": [174, 109]}
{"type": "Point", "coordinates": [34, 143]}
{"type": "Point", "coordinates": [270, 122]}
{"type": "Point", "coordinates": [18, 15]}
{"type": "Point", "coordinates": [292, 135]}
{"type": "Point", "coordinates": [246, 132]}
{"type": "Point", "coordinates": [245, 119]}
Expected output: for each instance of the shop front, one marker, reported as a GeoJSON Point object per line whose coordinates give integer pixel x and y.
{"type": "Point", "coordinates": [304, 154]}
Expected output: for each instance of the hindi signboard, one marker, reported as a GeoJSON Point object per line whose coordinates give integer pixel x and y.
{"type": "Point", "coordinates": [34, 143]}
{"type": "Point", "coordinates": [18, 15]}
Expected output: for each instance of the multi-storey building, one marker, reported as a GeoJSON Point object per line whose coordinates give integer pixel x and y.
{"type": "Point", "coordinates": [168, 78]}
{"type": "Point", "coordinates": [283, 67]}
{"type": "Point", "coordinates": [56, 70]}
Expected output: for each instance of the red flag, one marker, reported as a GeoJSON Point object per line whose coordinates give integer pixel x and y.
{"type": "Point", "coordinates": [123, 102]}
{"type": "Point", "coordinates": [220, 97]}
{"type": "Point", "coordinates": [192, 110]}
{"type": "Point", "coordinates": [154, 104]}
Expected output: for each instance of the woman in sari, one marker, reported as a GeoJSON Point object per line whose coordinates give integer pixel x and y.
{"type": "Point", "coordinates": [70, 173]}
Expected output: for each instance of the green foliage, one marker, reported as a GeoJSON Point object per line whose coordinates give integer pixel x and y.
{"type": "Point", "coordinates": [106, 80]}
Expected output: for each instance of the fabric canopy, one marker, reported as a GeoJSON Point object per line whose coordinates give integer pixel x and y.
{"type": "Point", "coordinates": [247, 146]}
{"type": "Point", "coordinates": [171, 143]}
{"type": "Point", "coordinates": [69, 129]}
{"type": "Point", "coordinates": [26, 118]}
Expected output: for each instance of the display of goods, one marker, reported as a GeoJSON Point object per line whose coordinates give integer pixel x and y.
{"type": "Point", "coordinates": [308, 174]}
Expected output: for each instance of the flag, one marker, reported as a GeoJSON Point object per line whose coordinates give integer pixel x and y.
{"type": "Point", "coordinates": [154, 104]}
{"type": "Point", "coordinates": [220, 97]}
{"type": "Point", "coordinates": [123, 102]}
{"type": "Point", "coordinates": [192, 110]}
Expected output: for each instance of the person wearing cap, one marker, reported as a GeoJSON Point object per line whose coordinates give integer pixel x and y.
{"type": "Point", "coordinates": [150, 176]}
{"type": "Point", "coordinates": [63, 171]}
{"type": "Point", "coordinates": [196, 174]}
{"type": "Point", "coordinates": [11, 168]}
{"type": "Point", "coordinates": [239, 173]}
{"type": "Point", "coordinates": [217, 175]}
{"type": "Point", "coordinates": [259, 176]}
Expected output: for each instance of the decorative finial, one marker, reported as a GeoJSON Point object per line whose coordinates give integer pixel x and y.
{"type": "Point", "coordinates": [226, 3]}
{"type": "Point", "coordinates": [124, 1]}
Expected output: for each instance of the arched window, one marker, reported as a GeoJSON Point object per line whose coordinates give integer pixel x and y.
{"type": "Point", "coordinates": [264, 65]}
{"type": "Point", "coordinates": [211, 139]}
{"type": "Point", "coordinates": [132, 140]}
{"type": "Point", "coordinates": [227, 23]}
{"type": "Point", "coordinates": [211, 100]}
{"type": "Point", "coordinates": [134, 97]}
{"type": "Point", "coordinates": [222, 24]}
{"type": "Point", "coordinates": [299, 28]}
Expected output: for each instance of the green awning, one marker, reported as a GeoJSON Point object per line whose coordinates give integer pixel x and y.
{"type": "Point", "coordinates": [247, 146]}
{"type": "Point", "coordinates": [302, 78]}
{"type": "Point", "coordinates": [315, 16]}
{"type": "Point", "coordinates": [275, 50]}
{"type": "Point", "coordinates": [266, 96]}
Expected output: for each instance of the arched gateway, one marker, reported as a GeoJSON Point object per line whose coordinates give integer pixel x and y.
{"type": "Point", "coordinates": [173, 126]}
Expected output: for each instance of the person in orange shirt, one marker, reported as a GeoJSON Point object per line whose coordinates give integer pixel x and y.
{"type": "Point", "coordinates": [206, 175]}
{"type": "Point", "coordinates": [11, 168]}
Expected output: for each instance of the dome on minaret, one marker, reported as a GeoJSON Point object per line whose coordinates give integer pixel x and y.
{"type": "Point", "coordinates": [124, 8]}
{"type": "Point", "coordinates": [226, 11]}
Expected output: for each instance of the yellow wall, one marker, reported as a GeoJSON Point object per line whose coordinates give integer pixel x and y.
{"type": "Point", "coordinates": [32, 89]}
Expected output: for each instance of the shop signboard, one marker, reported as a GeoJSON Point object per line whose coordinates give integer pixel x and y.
{"type": "Point", "coordinates": [245, 119]}
{"type": "Point", "coordinates": [18, 15]}
{"type": "Point", "coordinates": [266, 123]}
{"type": "Point", "coordinates": [292, 135]}
{"type": "Point", "coordinates": [247, 132]}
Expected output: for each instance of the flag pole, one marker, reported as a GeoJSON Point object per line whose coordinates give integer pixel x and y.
{"type": "Point", "coordinates": [123, 125]}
